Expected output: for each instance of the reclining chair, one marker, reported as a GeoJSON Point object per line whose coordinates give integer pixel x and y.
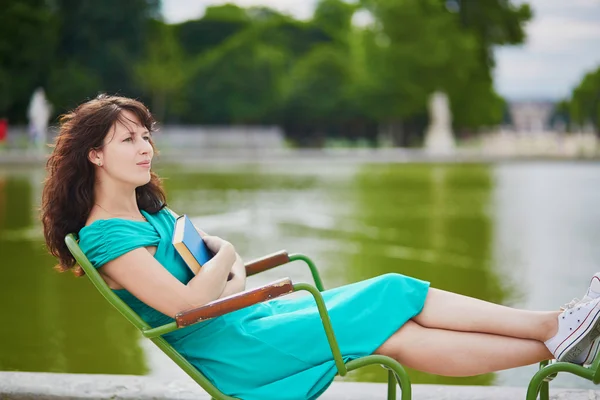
{"type": "Point", "coordinates": [396, 373]}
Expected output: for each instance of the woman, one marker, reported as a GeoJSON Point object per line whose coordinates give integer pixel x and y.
{"type": "Point", "coordinates": [100, 184]}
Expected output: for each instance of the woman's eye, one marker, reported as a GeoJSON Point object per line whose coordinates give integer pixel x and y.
{"type": "Point", "coordinates": [127, 139]}
{"type": "Point", "coordinates": [147, 138]}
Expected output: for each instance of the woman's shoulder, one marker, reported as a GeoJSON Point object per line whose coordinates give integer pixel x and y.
{"type": "Point", "coordinates": [105, 239]}
{"type": "Point", "coordinates": [100, 224]}
{"type": "Point", "coordinates": [163, 216]}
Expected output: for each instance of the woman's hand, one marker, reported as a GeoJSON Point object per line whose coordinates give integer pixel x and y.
{"type": "Point", "coordinates": [236, 279]}
{"type": "Point", "coordinates": [215, 244]}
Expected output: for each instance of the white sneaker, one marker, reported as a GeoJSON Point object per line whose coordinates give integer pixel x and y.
{"type": "Point", "coordinates": [593, 292]}
{"type": "Point", "coordinates": [577, 328]}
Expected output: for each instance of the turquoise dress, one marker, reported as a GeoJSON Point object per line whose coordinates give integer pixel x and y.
{"type": "Point", "coordinates": [273, 350]}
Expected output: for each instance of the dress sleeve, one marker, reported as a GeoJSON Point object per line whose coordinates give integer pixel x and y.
{"type": "Point", "coordinates": [105, 240]}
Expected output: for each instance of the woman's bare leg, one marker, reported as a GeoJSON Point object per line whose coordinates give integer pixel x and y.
{"type": "Point", "coordinates": [454, 353]}
{"type": "Point", "coordinates": [446, 310]}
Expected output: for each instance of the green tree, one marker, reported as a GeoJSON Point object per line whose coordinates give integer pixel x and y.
{"type": "Point", "coordinates": [493, 23]}
{"type": "Point", "coordinates": [561, 114]}
{"type": "Point", "coordinates": [164, 71]}
{"type": "Point", "coordinates": [335, 18]}
{"type": "Point", "coordinates": [105, 39]}
{"type": "Point", "coordinates": [585, 101]}
{"type": "Point", "coordinates": [71, 82]}
{"type": "Point", "coordinates": [296, 38]}
{"type": "Point", "coordinates": [475, 103]}
{"type": "Point", "coordinates": [240, 80]}
{"type": "Point", "coordinates": [316, 95]}
{"type": "Point", "coordinates": [320, 96]}
{"type": "Point", "coordinates": [237, 82]}
{"type": "Point", "coordinates": [415, 48]}
{"type": "Point", "coordinates": [217, 25]}
{"type": "Point", "coordinates": [27, 41]}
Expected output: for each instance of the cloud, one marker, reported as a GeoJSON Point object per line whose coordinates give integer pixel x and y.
{"type": "Point", "coordinates": [563, 43]}
{"type": "Point", "coordinates": [557, 35]}
{"type": "Point", "coordinates": [181, 10]}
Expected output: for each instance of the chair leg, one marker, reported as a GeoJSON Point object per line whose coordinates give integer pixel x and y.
{"type": "Point", "coordinates": [545, 390]}
{"type": "Point", "coordinates": [391, 385]}
{"type": "Point", "coordinates": [397, 374]}
{"type": "Point", "coordinates": [534, 386]}
{"type": "Point", "coordinates": [539, 383]}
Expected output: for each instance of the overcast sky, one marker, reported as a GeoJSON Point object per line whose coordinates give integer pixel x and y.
{"type": "Point", "coordinates": [563, 43]}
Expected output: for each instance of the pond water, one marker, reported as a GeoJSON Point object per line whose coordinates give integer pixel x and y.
{"type": "Point", "coordinates": [520, 234]}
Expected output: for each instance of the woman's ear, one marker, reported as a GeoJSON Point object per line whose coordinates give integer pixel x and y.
{"type": "Point", "coordinates": [95, 157]}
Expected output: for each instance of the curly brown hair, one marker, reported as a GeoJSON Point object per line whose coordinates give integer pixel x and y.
{"type": "Point", "coordinates": [68, 194]}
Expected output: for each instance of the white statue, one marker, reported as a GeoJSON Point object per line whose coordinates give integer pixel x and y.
{"type": "Point", "coordinates": [39, 115]}
{"type": "Point", "coordinates": [439, 137]}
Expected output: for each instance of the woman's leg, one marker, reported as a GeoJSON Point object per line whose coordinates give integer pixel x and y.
{"type": "Point", "coordinates": [451, 311]}
{"type": "Point", "coordinates": [453, 353]}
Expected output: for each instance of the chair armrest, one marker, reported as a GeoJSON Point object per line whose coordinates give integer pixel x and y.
{"type": "Point", "coordinates": [235, 302]}
{"type": "Point", "coordinates": [267, 262]}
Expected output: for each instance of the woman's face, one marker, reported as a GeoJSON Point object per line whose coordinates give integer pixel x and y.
{"type": "Point", "coordinates": [127, 153]}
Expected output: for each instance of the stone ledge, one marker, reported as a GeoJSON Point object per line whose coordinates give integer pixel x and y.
{"type": "Point", "coordinates": [52, 386]}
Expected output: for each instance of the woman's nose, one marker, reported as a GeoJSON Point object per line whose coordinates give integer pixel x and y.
{"type": "Point", "coordinates": [146, 148]}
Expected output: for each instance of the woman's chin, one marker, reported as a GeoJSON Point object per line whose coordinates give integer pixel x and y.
{"type": "Point", "coordinates": [142, 182]}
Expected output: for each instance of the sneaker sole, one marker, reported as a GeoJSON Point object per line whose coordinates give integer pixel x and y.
{"type": "Point", "coordinates": [591, 356]}
{"type": "Point", "coordinates": [590, 330]}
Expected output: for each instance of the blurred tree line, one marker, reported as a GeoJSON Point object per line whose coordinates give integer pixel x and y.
{"type": "Point", "coordinates": [319, 79]}
{"type": "Point", "coordinates": [583, 106]}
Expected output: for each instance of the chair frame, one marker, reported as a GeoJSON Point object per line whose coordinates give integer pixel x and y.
{"type": "Point", "coordinates": [281, 287]}
{"type": "Point", "coordinates": [539, 384]}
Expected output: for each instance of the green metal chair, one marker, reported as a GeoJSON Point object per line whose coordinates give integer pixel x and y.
{"type": "Point", "coordinates": [539, 384]}
{"type": "Point", "coordinates": [396, 373]}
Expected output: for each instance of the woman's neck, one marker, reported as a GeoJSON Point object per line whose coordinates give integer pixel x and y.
{"type": "Point", "coordinates": [116, 201]}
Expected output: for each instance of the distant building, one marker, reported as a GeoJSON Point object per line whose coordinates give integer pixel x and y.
{"type": "Point", "coordinates": [531, 116]}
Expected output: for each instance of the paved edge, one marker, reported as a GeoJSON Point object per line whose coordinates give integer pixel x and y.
{"type": "Point", "coordinates": [296, 156]}
{"type": "Point", "coordinates": [52, 386]}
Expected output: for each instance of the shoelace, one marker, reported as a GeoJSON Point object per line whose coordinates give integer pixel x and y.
{"type": "Point", "coordinates": [570, 304]}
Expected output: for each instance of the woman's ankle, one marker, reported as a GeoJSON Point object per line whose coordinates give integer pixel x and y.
{"type": "Point", "coordinates": [549, 325]}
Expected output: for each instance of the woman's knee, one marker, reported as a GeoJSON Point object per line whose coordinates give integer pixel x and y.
{"type": "Point", "coordinates": [392, 278]}
{"type": "Point", "coordinates": [395, 283]}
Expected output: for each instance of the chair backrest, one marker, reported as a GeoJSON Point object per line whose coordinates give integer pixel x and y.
{"type": "Point", "coordinates": [134, 318]}
{"type": "Point", "coordinates": [100, 284]}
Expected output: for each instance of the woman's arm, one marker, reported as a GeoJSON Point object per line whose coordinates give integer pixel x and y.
{"type": "Point", "coordinates": [145, 278]}
{"type": "Point", "coordinates": [238, 282]}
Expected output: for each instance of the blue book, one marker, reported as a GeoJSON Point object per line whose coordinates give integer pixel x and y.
{"type": "Point", "coordinates": [189, 244]}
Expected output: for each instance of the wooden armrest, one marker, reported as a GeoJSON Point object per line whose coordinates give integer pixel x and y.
{"type": "Point", "coordinates": [267, 262]}
{"type": "Point", "coordinates": [235, 302]}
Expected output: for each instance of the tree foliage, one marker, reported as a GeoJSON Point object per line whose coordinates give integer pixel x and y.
{"type": "Point", "coordinates": [164, 70]}
{"type": "Point", "coordinates": [582, 108]}
{"type": "Point", "coordinates": [320, 78]}
{"type": "Point", "coordinates": [238, 82]}
{"type": "Point", "coordinates": [27, 41]}
{"type": "Point", "coordinates": [585, 101]}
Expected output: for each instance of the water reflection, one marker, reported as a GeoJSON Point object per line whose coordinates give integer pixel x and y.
{"type": "Point", "coordinates": [546, 242]}
{"type": "Point", "coordinates": [430, 222]}
{"type": "Point", "coordinates": [502, 233]}
{"type": "Point", "coordinates": [57, 323]}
